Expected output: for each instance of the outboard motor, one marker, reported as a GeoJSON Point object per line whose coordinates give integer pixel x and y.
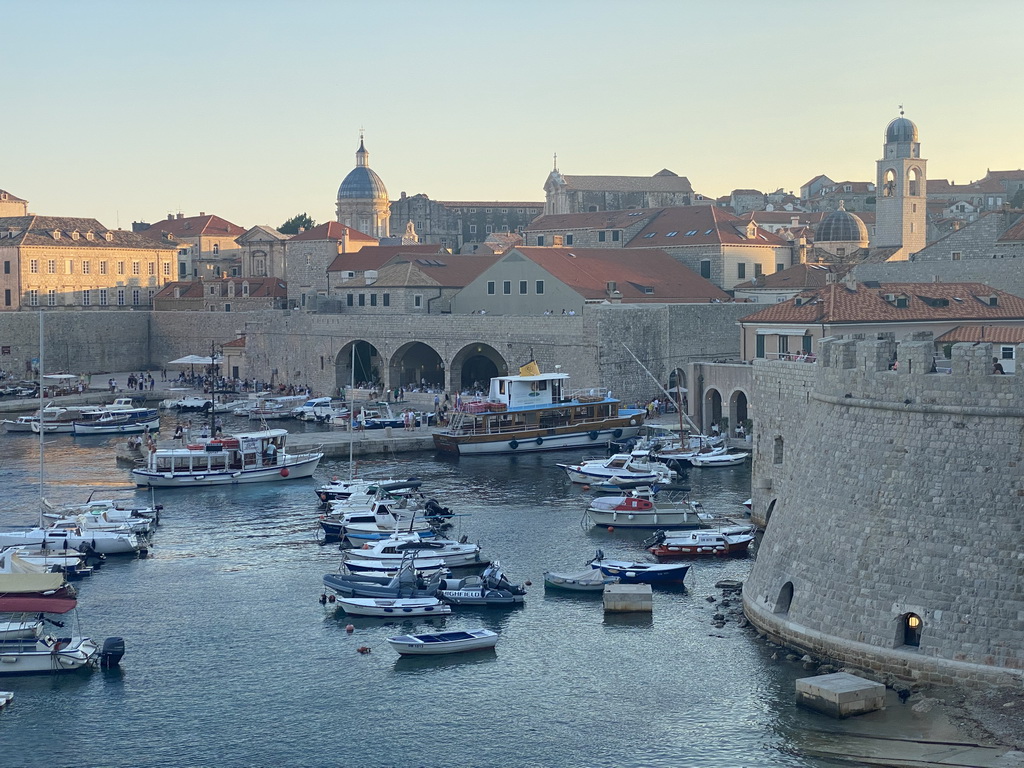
{"type": "Point", "coordinates": [111, 653]}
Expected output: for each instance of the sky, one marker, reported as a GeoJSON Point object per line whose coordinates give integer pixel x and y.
{"type": "Point", "coordinates": [129, 111]}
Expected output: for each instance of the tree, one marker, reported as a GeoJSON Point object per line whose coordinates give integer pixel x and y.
{"type": "Point", "coordinates": [291, 227]}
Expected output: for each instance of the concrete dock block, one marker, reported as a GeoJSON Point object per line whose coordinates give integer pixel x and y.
{"type": "Point", "coordinates": [840, 694]}
{"type": "Point", "coordinates": [628, 597]}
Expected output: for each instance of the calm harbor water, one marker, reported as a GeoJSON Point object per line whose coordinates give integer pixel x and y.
{"type": "Point", "coordinates": [232, 661]}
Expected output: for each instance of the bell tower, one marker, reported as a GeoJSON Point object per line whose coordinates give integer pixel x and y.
{"type": "Point", "coordinates": [901, 192]}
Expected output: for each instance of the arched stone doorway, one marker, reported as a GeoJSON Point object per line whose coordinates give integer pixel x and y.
{"type": "Point", "coordinates": [712, 409]}
{"type": "Point", "coordinates": [415, 364]}
{"type": "Point", "coordinates": [473, 367]}
{"type": "Point", "coordinates": [738, 412]}
{"type": "Point", "coordinates": [677, 388]}
{"type": "Point", "coordinates": [357, 361]}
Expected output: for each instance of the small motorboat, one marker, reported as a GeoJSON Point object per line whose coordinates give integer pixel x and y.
{"type": "Point", "coordinates": [343, 489]}
{"type": "Point", "coordinates": [730, 540]}
{"type": "Point", "coordinates": [395, 548]}
{"type": "Point", "coordinates": [489, 589]}
{"type": "Point", "coordinates": [621, 467]}
{"type": "Point", "coordinates": [121, 422]}
{"type": "Point", "coordinates": [640, 573]}
{"type": "Point", "coordinates": [639, 509]}
{"type": "Point", "coordinates": [5, 698]}
{"type": "Point", "coordinates": [406, 583]}
{"type": "Point", "coordinates": [424, 567]}
{"type": "Point", "coordinates": [719, 459]}
{"type": "Point", "coordinates": [391, 608]}
{"type": "Point", "coordinates": [444, 642]}
{"type": "Point", "coordinates": [591, 580]}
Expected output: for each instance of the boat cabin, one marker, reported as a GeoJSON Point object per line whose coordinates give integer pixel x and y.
{"type": "Point", "coordinates": [527, 391]}
{"type": "Point", "coordinates": [252, 450]}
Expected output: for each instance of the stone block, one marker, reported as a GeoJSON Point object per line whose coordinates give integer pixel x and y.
{"type": "Point", "coordinates": [840, 694]}
{"type": "Point", "coordinates": [628, 597]}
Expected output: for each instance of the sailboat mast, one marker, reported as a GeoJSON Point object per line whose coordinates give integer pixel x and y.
{"type": "Point", "coordinates": [681, 414]}
{"type": "Point", "coordinates": [351, 414]}
{"type": "Point", "coordinates": [41, 430]}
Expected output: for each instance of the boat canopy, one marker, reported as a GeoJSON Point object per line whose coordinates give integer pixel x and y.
{"type": "Point", "coordinates": [9, 604]}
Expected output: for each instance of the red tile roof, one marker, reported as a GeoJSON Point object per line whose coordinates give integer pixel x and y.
{"type": "Point", "coordinates": [635, 271]}
{"type": "Point", "coordinates": [259, 287]}
{"type": "Point", "coordinates": [333, 230]}
{"type": "Point", "coordinates": [593, 220]}
{"type": "Point", "coordinates": [838, 303]}
{"type": "Point", "coordinates": [193, 226]}
{"type": "Point", "coordinates": [442, 270]}
{"type": "Point", "coordinates": [797, 277]}
{"type": "Point", "coordinates": [39, 230]}
{"type": "Point", "coordinates": [1014, 233]}
{"type": "Point", "coordinates": [709, 224]}
{"type": "Point", "coordinates": [239, 342]}
{"type": "Point", "coordinates": [376, 256]}
{"type": "Point", "coordinates": [994, 334]}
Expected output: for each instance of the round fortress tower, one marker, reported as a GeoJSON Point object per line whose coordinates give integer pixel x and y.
{"type": "Point", "coordinates": [894, 509]}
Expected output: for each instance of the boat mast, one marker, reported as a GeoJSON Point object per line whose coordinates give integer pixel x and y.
{"type": "Point", "coordinates": [351, 414]}
{"type": "Point", "coordinates": [678, 405]}
{"type": "Point", "coordinates": [40, 422]}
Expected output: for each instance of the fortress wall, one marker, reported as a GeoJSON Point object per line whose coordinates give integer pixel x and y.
{"type": "Point", "coordinates": [76, 342]}
{"type": "Point", "coordinates": [888, 493]}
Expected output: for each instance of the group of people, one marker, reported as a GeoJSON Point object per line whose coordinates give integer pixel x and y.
{"type": "Point", "coordinates": [552, 312]}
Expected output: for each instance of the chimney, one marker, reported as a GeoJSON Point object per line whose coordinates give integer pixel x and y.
{"type": "Point", "coordinates": [170, 217]}
{"type": "Point", "coordinates": [301, 230]}
{"type": "Point", "coordinates": [202, 213]}
{"type": "Point", "coordinates": [794, 221]}
{"type": "Point", "coordinates": [181, 215]}
{"type": "Point", "coordinates": [343, 240]}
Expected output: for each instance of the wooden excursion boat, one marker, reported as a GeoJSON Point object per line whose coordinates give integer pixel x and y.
{"type": "Point", "coordinates": [533, 411]}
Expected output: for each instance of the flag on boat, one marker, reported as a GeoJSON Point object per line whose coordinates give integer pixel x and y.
{"type": "Point", "coordinates": [530, 369]}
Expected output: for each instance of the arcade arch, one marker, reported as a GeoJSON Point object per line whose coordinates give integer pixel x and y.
{"type": "Point", "coordinates": [474, 365]}
{"type": "Point", "coordinates": [738, 410]}
{"type": "Point", "coordinates": [359, 362]}
{"type": "Point", "coordinates": [712, 408]}
{"type": "Point", "coordinates": [415, 364]}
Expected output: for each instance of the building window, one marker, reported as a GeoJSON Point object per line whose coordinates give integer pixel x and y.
{"type": "Point", "coordinates": [488, 229]}
{"type": "Point", "coordinates": [167, 269]}
{"type": "Point", "coordinates": [120, 267]}
{"type": "Point", "coordinates": [362, 299]}
{"type": "Point", "coordinates": [182, 269]}
{"type": "Point", "coordinates": [540, 287]}
{"type": "Point", "coordinates": [601, 236]}
{"type": "Point", "coordinates": [615, 235]}
{"type": "Point", "coordinates": [7, 267]}
{"type": "Point", "coordinates": [472, 210]}
{"type": "Point", "coordinates": [103, 297]}
{"type": "Point", "coordinates": [912, 626]}
{"type": "Point", "coordinates": [33, 298]}
{"type": "Point", "coordinates": [373, 299]}
{"type": "Point", "coordinates": [245, 288]}
{"type": "Point", "coordinates": [417, 301]}
{"type": "Point", "coordinates": [152, 269]}
{"type": "Point", "coordinates": [741, 270]}
{"type": "Point", "coordinates": [86, 267]}
{"type": "Point", "coordinates": [705, 269]}
{"type": "Point", "coordinates": [120, 297]}
{"type": "Point", "coordinates": [779, 451]}
{"type": "Point", "coordinates": [757, 270]}
{"type": "Point", "coordinates": [149, 295]}
{"type": "Point", "coordinates": [540, 239]}
{"type": "Point", "coordinates": [103, 267]}
{"type": "Point", "coordinates": [86, 298]}
{"type": "Point", "coordinates": [135, 268]}
{"type": "Point", "coordinates": [759, 353]}
{"type": "Point", "coordinates": [51, 298]}
{"type": "Point", "coordinates": [350, 300]}
{"type": "Point", "coordinates": [490, 287]}
{"type": "Point", "coordinates": [472, 229]}
{"type": "Point", "coordinates": [387, 299]}
{"type": "Point", "coordinates": [956, 255]}
{"type": "Point", "coordinates": [506, 287]}
{"type": "Point", "coordinates": [51, 267]}
{"type": "Point", "coordinates": [783, 346]}
{"type": "Point", "coordinates": [504, 210]}
{"type": "Point", "coordinates": [568, 239]}
{"type": "Point", "coordinates": [135, 296]}
{"type": "Point", "coordinates": [70, 264]}
{"type": "Point", "coordinates": [216, 248]}
{"type": "Point", "coordinates": [33, 266]}
{"type": "Point", "coordinates": [1006, 353]}
{"type": "Point", "coordinates": [779, 267]}
{"type": "Point", "coordinates": [7, 297]}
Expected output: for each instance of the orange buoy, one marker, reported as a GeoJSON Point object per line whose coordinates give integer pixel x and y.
{"type": "Point", "coordinates": [586, 487]}
{"type": "Point", "coordinates": [363, 649]}
{"type": "Point", "coordinates": [350, 628]}
{"type": "Point", "coordinates": [611, 528]}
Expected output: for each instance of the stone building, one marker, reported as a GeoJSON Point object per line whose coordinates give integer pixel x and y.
{"type": "Point", "coordinates": [889, 545]}
{"type": "Point", "coordinates": [363, 199]}
{"type": "Point", "coordinates": [841, 237]}
{"type": "Point", "coordinates": [61, 261]}
{"type": "Point", "coordinates": [856, 195]}
{"type": "Point", "coordinates": [782, 286]}
{"type": "Point", "coordinates": [310, 253]}
{"type": "Point", "coordinates": [11, 205]}
{"type": "Point", "coordinates": [355, 268]}
{"type": "Point", "coordinates": [995, 235]}
{"type": "Point", "coordinates": [207, 245]}
{"type": "Point", "coordinates": [228, 294]}
{"type": "Point", "coordinates": [456, 225]}
{"type": "Point", "coordinates": [901, 205]}
{"type": "Point", "coordinates": [587, 194]}
{"type": "Point", "coordinates": [263, 252]}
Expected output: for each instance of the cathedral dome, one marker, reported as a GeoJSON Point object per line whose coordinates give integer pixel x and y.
{"type": "Point", "coordinates": [841, 227]}
{"type": "Point", "coordinates": [900, 130]}
{"type": "Point", "coordinates": [362, 183]}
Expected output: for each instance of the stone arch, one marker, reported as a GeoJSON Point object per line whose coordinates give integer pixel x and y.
{"type": "Point", "coordinates": [476, 362]}
{"type": "Point", "coordinates": [739, 409]}
{"type": "Point", "coordinates": [677, 387]}
{"type": "Point", "coordinates": [769, 512]}
{"type": "Point", "coordinates": [909, 630]}
{"type": "Point", "coordinates": [414, 363]}
{"type": "Point", "coordinates": [357, 361]}
{"type": "Point", "coordinates": [785, 598]}
{"type": "Point", "coordinates": [779, 450]}
{"type": "Point", "coordinates": [889, 182]}
{"type": "Point", "coordinates": [712, 407]}
{"type": "Point", "coordinates": [914, 178]}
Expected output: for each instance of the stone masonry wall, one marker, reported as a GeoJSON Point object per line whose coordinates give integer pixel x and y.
{"type": "Point", "coordinates": [888, 493]}
{"type": "Point", "coordinates": [1004, 274]}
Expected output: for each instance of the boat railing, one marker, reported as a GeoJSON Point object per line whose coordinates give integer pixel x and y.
{"type": "Point", "coordinates": [465, 424]}
{"type": "Point", "coordinates": [586, 395]}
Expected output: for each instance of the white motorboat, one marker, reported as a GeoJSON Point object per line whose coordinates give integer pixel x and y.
{"type": "Point", "coordinates": [444, 642]}
{"type": "Point", "coordinates": [251, 457]}
{"type": "Point", "coordinates": [270, 408]}
{"type": "Point", "coordinates": [51, 413]}
{"type": "Point", "coordinates": [343, 489]}
{"type": "Point", "coordinates": [422, 566]}
{"type": "Point", "coordinates": [727, 540]}
{"type": "Point", "coordinates": [321, 409]}
{"type": "Point", "coordinates": [70, 535]}
{"type": "Point", "coordinates": [455, 554]}
{"type": "Point", "coordinates": [617, 468]}
{"type": "Point", "coordinates": [719, 459]}
{"type": "Point", "coordinates": [34, 559]}
{"type": "Point", "coordinates": [639, 509]}
{"type": "Point", "coordinates": [397, 608]}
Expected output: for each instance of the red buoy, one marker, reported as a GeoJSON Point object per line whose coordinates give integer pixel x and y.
{"type": "Point", "coordinates": [349, 628]}
{"type": "Point", "coordinates": [611, 528]}
{"type": "Point", "coordinates": [284, 471]}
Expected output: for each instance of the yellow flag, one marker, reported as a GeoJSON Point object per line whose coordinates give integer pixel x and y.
{"type": "Point", "coordinates": [530, 369]}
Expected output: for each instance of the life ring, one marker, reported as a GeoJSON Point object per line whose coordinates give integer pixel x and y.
{"type": "Point", "coordinates": [513, 444]}
{"type": "Point", "coordinates": [632, 422]}
{"type": "Point", "coordinates": [540, 441]}
{"type": "Point", "coordinates": [284, 471]}
{"type": "Point", "coordinates": [593, 434]}
{"type": "Point", "coordinates": [617, 434]}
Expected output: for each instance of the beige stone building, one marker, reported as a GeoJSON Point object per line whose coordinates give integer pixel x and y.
{"type": "Point", "coordinates": [207, 244]}
{"type": "Point", "coordinates": [263, 252]}
{"type": "Point", "coordinates": [310, 253]}
{"type": "Point", "coordinates": [588, 194]}
{"type": "Point", "coordinates": [59, 261]}
{"type": "Point", "coordinates": [11, 205]}
{"type": "Point", "coordinates": [228, 294]}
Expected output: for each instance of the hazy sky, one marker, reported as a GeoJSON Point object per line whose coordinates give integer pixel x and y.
{"type": "Point", "coordinates": [131, 110]}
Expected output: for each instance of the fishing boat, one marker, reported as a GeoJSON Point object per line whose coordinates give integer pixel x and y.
{"type": "Point", "coordinates": [618, 468]}
{"type": "Point", "coordinates": [727, 540]}
{"type": "Point", "coordinates": [590, 580]}
{"type": "Point", "coordinates": [640, 508]}
{"type": "Point", "coordinates": [535, 411]}
{"type": "Point", "coordinates": [719, 459]}
{"type": "Point", "coordinates": [394, 608]}
{"type": "Point", "coordinates": [444, 642]}
{"type": "Point", "coordinates": [640, 573]}
{"type": "Point", "coordinates": [126, 421]}
{"type": "Point", "coordinates": [250, 457]}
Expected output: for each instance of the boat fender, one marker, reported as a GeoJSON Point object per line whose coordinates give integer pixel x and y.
{"type": "Point", "coordinates": [540, 441]}
{"type": "Point", "coordinates": [513, 444]}
{"type": "Point", "coordinates": [364, 649]}
{"type": "Point", "coordinates": [592, 435]}
{"type": "Point", "coordinates": [617, 434]}
{"type": "Point", "coordinates": [632, 422]}
{"type": "Point", "coordinates": [284, 471]}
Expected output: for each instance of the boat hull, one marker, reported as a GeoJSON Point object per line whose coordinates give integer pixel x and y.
{"type": "Point", "coordinates": [383, 608]}
{"type": "Point", "coordinates": [531, 441]}
{"type": "Point", "coordinates": [138, 427]}
{"type": "Point", "coordinates": [658, 519]}
{"type": "Point", "coordinates": [643, 573]}
{"type": "Point", "coordinates": [36, 657]}
{"type": "Point", "coordinates": [444, 643]}
{"type": "Point", "coordinates": [303, 466]}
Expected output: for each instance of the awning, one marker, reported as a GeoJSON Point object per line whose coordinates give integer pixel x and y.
{"type": "Point", "coordinates": [783, 332]}
{"type": "Point", "coordinates": [36, 604]}
{"type": "Point", "coordinates": [192, 360]}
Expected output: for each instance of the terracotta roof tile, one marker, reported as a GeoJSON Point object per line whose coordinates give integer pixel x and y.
{"type": "Point", "coordinates": [799, 277]}
{"type": "Point", "coordinates": [193, 226]}
{"type": "Point", "coordinates": [333, 230]}
{"type": "Point", "coordinates": [441, 270]}
{"type": "Point", "coordinates": [994, 334]}
{"type": "Point", "coordinates": [376, 256]}
{"type": "Point", "coordinates": [699, 225]}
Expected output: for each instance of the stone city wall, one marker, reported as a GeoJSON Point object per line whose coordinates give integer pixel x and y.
{"type": "Point", "coordinates": [888, 494]}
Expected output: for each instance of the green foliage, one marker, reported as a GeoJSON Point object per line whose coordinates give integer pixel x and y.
{"type": "Point", "coordinates": [1018, 199]}
{"type": "Point", "coordinates": [291, 227]}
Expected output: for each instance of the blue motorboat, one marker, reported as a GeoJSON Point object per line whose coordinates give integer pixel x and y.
{"type": "Point", "coordinates": [641, 573]}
